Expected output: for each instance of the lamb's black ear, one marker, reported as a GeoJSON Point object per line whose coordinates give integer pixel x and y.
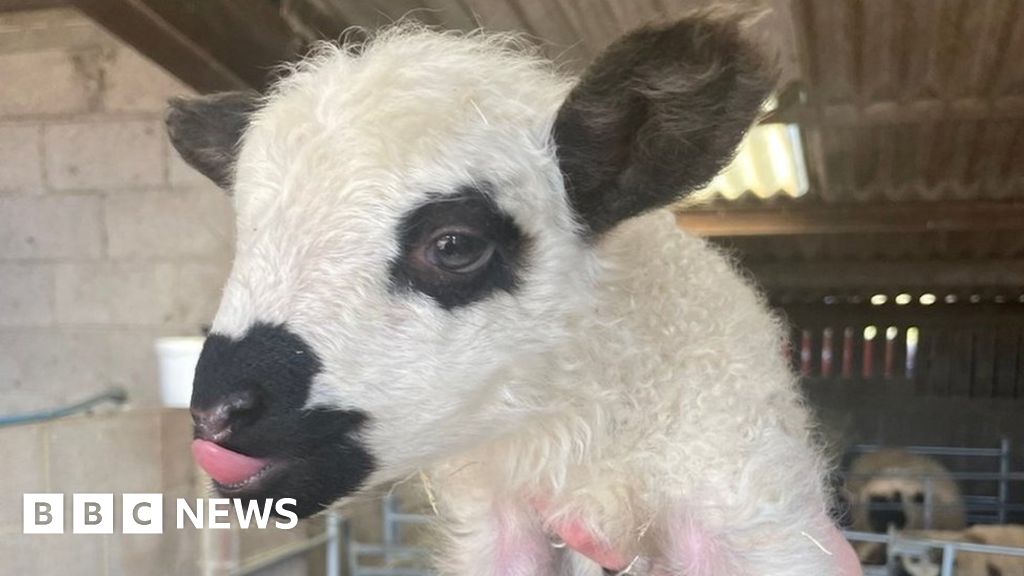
{"type": "Point", "coordinates": [206, 130]}
{"type": "Point", "coordinates": [657, 115]}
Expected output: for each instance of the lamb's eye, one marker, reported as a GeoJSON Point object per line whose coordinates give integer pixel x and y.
{"type": "Point", "coordinates": [458, 249]}
{"type": "Point", "coordinates": [459, 252]}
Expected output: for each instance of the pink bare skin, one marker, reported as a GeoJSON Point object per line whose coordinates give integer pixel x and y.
{"type": "Point", "coordinates": [701, 558]}
{"type": "Point", "coordinates": [844, 554]}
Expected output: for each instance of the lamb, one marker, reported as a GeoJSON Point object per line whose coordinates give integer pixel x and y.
{"type": "Point", "coordinates": [892, 487]}
{"type": "Point", "coordinates": [453, 260]}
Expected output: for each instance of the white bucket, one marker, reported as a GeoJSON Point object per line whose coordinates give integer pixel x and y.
{"type": "Point", "coordinates": [177, 358]}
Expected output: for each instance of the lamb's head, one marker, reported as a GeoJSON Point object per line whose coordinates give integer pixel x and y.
{"type": "Point", "coordinates": [416, 222]}
{"type": "Point", "coordinates": [896, 501]}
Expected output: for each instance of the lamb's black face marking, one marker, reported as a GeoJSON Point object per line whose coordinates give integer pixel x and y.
{"type": "Point", "coordinates": [886, 511]}
{"type": "Point", "coordinates": [265, 379]}
{"type": "Point", "coordinates": [458, 249]}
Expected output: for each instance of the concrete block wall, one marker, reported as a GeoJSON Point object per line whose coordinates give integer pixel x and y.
{"type": "Point", "coordinates": [122, 452]}
{"type": "Point", "coordinates": [143, 450]}
{"type": "Point", "coordinates": [107, 239]}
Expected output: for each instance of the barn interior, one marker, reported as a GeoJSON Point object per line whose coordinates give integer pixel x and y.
{"type": "Point", "coordinates": [879, 205]}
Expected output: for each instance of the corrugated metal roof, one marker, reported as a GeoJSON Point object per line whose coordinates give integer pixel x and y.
{"type": "Point", "coordinates": [911, 99]}
{"type": "Point", "coordinates": [769, 163]}
{"type": "Point", "coordinates": [863, 51]}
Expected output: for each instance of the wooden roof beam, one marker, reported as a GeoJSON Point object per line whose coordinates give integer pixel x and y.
{"type": "Point", "coordinates": [20, 5]}
{"type": "Point", "coordinates": [895, 217]}
{"type": "Point", "coordinates": [210, 45]}
{"type": "Point", "coordinates": [913, 112]}
{"type": "Point", "coordinates": [888, 276]}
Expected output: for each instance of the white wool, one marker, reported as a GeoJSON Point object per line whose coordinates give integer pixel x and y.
{"type": "Point", "coordinates": [674, 394]}
{"type": "Point", "coordinates": [622, 381]}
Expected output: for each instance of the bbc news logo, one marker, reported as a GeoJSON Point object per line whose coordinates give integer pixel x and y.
{"type": "Point", "coordinates": [144, 513]}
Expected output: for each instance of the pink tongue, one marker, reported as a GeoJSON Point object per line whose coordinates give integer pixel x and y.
{"type": "Point", "coordinates": [225, 466]}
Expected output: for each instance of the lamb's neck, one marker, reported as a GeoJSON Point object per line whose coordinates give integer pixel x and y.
{"type": "Point", "coordinates": [565, 439]}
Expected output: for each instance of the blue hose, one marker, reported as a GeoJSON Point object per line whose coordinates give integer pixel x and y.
{"type": "Point", "coordinates": [113, 395]}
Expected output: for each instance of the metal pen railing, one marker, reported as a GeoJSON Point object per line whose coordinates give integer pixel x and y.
{"type": "Point", "coordinates": [330, 538]}
{"type": "Point", "coordinates": [393, 557]}
{"type": "Point", "coordinates": [897, 546]}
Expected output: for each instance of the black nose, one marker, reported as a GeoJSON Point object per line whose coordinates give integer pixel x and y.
{"type": "Point", "coordinates": [248, 390]}
{"type": "Point", "coordinates": [217, 422]}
